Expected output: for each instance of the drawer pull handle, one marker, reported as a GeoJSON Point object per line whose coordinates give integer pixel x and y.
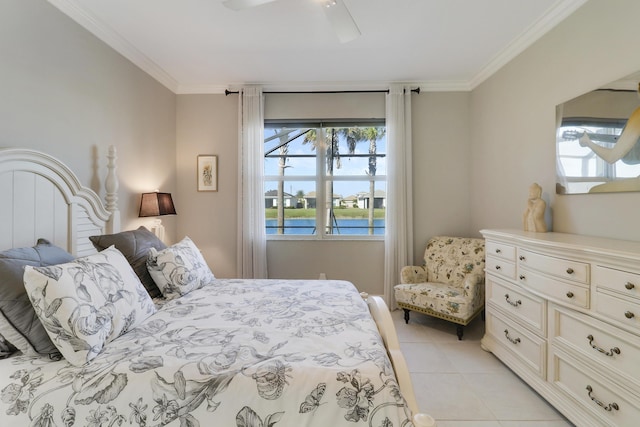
{"type": "Point", "coordinates": [498, 267]}
{"type": "Point", "coordinates": [629, 285]}
{"type": "Point", "coordinates": [513, 341]}
{"type": "Point", "coordinates": [569, 294]}
{"type": "Point", "coordinates": [515, 304]}
{"type": "Point", "coordinates": [498, 251]}
{"type": "Point", "coordinates": [629, 315]}
{"type": "Point", "coordinates": [522, 258]}
{"type": "Point", "coordinates": [522, 277]}
{"type": "Point", "coordinates": [609, 407]}
{"type": "Point", "coordinates": [609, 353]}
{"type": "Point", "coordinates": [569, 270]}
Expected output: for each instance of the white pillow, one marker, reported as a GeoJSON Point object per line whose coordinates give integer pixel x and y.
{"type": "Point", "coordinates": [86, 303]}
{"type": "Point", "coordinates": [179, 269]}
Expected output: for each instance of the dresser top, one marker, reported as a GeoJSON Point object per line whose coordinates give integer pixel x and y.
{"type": "Point", "coordinates": [576, 242]}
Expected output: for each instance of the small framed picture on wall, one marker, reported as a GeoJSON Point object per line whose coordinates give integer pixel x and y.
{"type": "Point", "coordinates": [207, 172]}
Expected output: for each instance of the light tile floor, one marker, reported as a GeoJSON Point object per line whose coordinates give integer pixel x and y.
{"type": "Point", "coordinates": [461, 385]}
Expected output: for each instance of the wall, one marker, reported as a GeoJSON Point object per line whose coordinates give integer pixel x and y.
{"type": "Point", "coordinates": [513, 122]}
{"type": "Point", "coordinates": [441, 167]}
{"type": "Point", "coordinates": [207, 124]}
{"type": "Point", "coordinates": [66, 93]}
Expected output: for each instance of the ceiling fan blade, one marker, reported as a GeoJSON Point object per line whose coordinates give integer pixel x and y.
{"type": "Point", "coordinates": [244, 4]}
{"type": "Point", "coordinates": [342, 21]}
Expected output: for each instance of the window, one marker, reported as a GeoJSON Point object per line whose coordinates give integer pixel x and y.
{"type": "Point", "coordinates": [579, 166]}
{"type": "Point", "coordinates": [325, 180]}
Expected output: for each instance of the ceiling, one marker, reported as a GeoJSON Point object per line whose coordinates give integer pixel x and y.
{"type": "Point", "coordinates": [200, 46]}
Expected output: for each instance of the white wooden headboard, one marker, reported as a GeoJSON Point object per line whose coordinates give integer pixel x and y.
{"type": "Point", "coordinates": [40, 197]}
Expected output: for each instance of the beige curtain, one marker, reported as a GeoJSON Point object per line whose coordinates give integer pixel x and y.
{"type": "Point", "coordinates": [252, 241]}
{"type": "Point", "coordinates": [399, 221]}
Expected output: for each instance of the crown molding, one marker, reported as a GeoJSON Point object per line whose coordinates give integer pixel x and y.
{"type": "Point", "coordinates": [446, 86]}
{"type": "Point", "coordinates": [115, 41]}
{"type": "Point", "coordinates": [556, 14]}
{"type": "Point", "coordinates": [293, 87]}
{"type": "Point", "coordinates": [201, 89]}
{"type": "Point", "coordinates": [424, 86]}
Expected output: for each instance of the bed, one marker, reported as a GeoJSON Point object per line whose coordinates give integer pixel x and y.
{"type": "Point", "coordinates": [228, 352]}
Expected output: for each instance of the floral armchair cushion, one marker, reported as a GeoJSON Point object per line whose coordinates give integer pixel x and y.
{"type": "Point", "coordinates": [450, 259]}
{"type": "Point", "coordinates": [445, 299]}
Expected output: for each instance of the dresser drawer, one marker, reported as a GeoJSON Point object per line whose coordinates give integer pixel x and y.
{"type": "Point", "coordinates": [529, 348]}
{"type": "Point", "coordinates": [564, 268]}
{"type": "Point", "coordinates": [610, 404]}
{"type": "Point", "coordinates": [613, 350]}
{"type": "Point", "coordinates": [625, 311]}
{"type": "Point", "coordinates": [500, 266]}
{"type": "Point", "coordinates": [530, 309]}
{"type": "Point", "coordinates": [562, 292]}
{"type": "Point", "coordinates": [501, 250]}
{"type": "Point", "coordinates": [624, 282]}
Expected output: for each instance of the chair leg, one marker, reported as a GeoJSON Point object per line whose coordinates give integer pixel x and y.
{"type": "Point", "coordinates": [459, 331]}
{"type": "Point", "coordinates": [406, 315]}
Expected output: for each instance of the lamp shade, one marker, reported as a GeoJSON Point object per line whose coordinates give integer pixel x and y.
{"type": "Point", "coordinates": [156, 204]}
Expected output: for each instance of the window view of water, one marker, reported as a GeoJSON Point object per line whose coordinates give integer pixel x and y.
{"type": "Point", "coordinates": [341, 226]}
{"type": "Point", "coordinates": [340, 166]}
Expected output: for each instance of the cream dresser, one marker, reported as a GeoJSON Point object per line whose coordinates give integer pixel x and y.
{"type": "Point", "coordinates": [563, 312]}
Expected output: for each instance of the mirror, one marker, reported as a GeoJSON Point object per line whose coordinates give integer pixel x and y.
{"type": "Point", "coordinates": [597, 147]}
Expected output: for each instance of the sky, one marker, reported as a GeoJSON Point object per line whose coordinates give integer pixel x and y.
{"type": "Point", "coordinates": [303, 169]}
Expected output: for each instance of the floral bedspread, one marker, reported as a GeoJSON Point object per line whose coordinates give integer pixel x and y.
{"type": "Point", "coordinates": [246, 353]}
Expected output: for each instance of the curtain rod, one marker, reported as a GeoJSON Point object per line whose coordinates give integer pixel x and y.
{"type": "Point", "coordinates": [416, 90]}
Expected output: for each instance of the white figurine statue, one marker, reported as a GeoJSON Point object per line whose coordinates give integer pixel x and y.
{"type": "Point", "coordinates": [533, 218]}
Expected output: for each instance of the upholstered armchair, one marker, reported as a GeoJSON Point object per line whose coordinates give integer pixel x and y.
{"type": "Point", "coordinates": [450, 285]}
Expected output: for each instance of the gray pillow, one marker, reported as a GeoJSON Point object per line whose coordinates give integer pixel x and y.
{"type": "Point", "coordinates": [134, 245]}
{"type": "Point", "coordinates": [6, 348]}
{"type": "Point", "coordinates": [19, 324]}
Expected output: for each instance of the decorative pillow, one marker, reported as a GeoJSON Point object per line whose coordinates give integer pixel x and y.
{"type": "Point", "coordinates": [134, 245]}
{"type": "Point", "coordinates": [179, 269]}
{"type": "Point", "coordinates": [19, 324]}
{"type": "Point", "coordinates": [86, 303]}
{"type": "Point", "coordinates": [6, 348]}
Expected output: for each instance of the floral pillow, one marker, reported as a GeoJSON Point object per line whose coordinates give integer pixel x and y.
{"type": "Point", "coordinates": [179, 269]}
{"type": "Point", "coordinates": [86, 303]}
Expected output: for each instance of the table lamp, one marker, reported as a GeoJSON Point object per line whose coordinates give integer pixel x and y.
{"type": "Point", "coordinates": [156, 204]}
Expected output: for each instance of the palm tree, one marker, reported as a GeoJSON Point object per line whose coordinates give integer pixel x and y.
{"type": "Point", "coordinates": [371, 134]}
{"type": "Point", "coordinates": [282, 164]}
{"type": "Point", "coordinates": [283, 150]}
{"type": "Point", "coordinates": [331, 145]}
{"type": "Point", "coordinates": [353, 136]}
